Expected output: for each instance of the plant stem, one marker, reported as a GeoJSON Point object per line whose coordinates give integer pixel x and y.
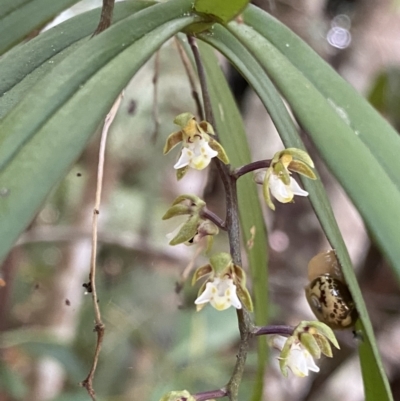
{"type": "Point", "coordinates": [207, 395]}
{"type": "Point", "coordinates": [247, 168]}
{"type": "Point", "coordinates": [208, 214]}
{"type": "Point", "coordinates": [233, 229]}
{"type": "Point", "coordinates": [273, 329]}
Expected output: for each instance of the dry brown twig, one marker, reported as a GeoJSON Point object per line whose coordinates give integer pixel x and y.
{"type": "Point", "coordinates": [99, 325]}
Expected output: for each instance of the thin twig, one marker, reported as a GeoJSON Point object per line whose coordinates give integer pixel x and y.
{"type": "Point", "coordinates": [191, 77]}
{"type": "Point", "coordinates": [99, 325]}
{"type": "Point", "coordinates": [155, 97]}
{"type": "Point", "coordinates": [105, 17]}
{"type": "Point", "coordinates": [233, 229]}
{"type": "Point", "coordinates": [248, 168]}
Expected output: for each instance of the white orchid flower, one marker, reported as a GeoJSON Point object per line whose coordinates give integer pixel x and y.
{"type": "Point", "coordinates": [298, 359]}
{"type": "Point", "coordinates": [221, 293]}
{"type": "Point", "coordinates": [196, 154]}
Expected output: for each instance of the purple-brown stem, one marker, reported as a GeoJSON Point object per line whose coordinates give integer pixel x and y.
{"type": "Point", "coordinates": [273, 329]}
{"type": "Point", "coordinates": [209, 215]}
{"type": "Point", "coordinates": [209, 395]}
{"type": "Point", "coordinates": [248, 168]}
{"type": "Point", "coordinates": [233, 230]}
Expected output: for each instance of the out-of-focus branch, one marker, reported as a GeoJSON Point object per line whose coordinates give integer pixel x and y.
{"type": "Point", "coordinates": [125, 240]}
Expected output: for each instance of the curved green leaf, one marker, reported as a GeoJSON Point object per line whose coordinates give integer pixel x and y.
{"type": "Point", "coordinates": [44, 159]}
{"type": "Point", "coordinates": [19, 20]}
{"type": "Point", "coordinates": [366, 182]}
{"type": "Point", "coordinates": [67, 78]}
{"type": "Point", "coordinates": [19, 62]}
{"type": "Point", "coordinates": [230, 129]}
{"type": "Point", "coordinates": [8, 6]}
{"type": "Point", "coordinates": [374, 131]}
{"type": "Point", "coordinates": [368, 350]}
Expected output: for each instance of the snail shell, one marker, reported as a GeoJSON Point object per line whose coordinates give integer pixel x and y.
{"type": "Point", "coordinates": [327, 293]}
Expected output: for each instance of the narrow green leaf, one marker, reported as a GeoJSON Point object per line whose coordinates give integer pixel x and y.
{"type": "Point", "coordinates": [68, 77]}
{"type": "Point", "coordinates": [374, 131]}
{"type": "Point", "coordinates": [17, 24]}
{"type": "Point", "coordinates": [329, 128]}
{"type": "Point", "coordinates": [221, 10]}
{"type": "Point", "coordinates": [245, 63]}
{"type": "Point", "coordinates": [8, 6]}
{"type": "Point", "coordinates": [231, 131]}
{"type": "Point", "coordinates": [43, 161]}
{"type": "Point", "coordinates": [20, 61]}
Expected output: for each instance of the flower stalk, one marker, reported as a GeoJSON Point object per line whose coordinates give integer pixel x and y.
{"type": "Point", "coordinates": [233, 230]}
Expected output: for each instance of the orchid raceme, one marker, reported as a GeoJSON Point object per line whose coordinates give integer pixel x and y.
{"type": "Point", "coordinates": [225, 285]}
{"type": "Point", "coordinates": [198, 144]}
{"type": "Point", "coordinates": [277, 179]}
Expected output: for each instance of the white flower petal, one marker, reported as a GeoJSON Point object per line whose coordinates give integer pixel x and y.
{"type": "Point", "coordinates": [221, 293]}
{"type": "Point", "coordinates": [295, 187]}
{"type": "Point", "coordinates": [259, 177]}
{"type": "Point", "coordinates": [196, 154]}
{"type": "Point", "coordinates": [279, 190]}
{"type": "Point", "coordinates": [202, 154]}
{"type": "Point", "coordinates": [235, 299]}
{"type": "Point", "coordinates": [297, 363]}
{"type": "Point", "coordinates": [310, 363]}
{"type": "Point", "coordinates": [184, 159]}
{"type": "Point", "coordinates": [199, 162]}
{"type": "Point", "coordinates": [207, 294]}
{"type": "Point", "coordinates": [207, 151]}
{"type": "Point", "coordinates": [220, 303]}
{"type": "Point", "coordinates": [300, 361]}
{"type": "Point", "coordinates": [277, 341]}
